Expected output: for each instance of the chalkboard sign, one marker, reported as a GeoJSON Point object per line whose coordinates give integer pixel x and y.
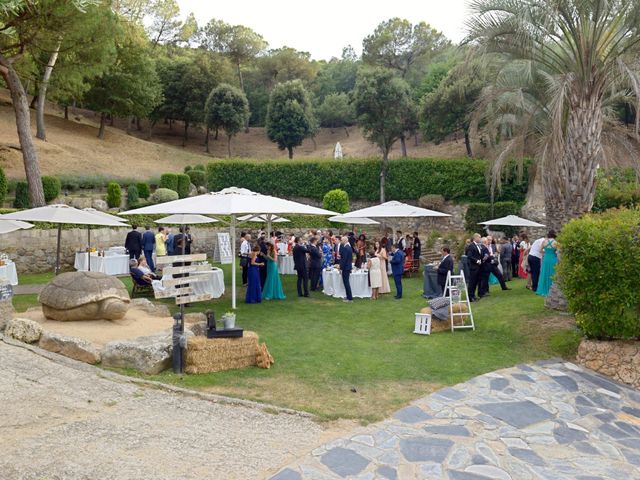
{"type": "Point", "coordinates": [6, 291]}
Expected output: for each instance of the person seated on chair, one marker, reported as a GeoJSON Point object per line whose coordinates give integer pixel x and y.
{"type": "Point", "coordinates": [139, 276]}
{"type": "Point", "coordinates": [144, 267]}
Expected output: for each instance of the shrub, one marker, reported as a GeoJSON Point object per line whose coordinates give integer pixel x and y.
{"type": "Point", "coordinates": [200, 167]}
{"type": "Point", "coordinates": [163, 195]}
{"type": "Point", "coordinates": [481, 212]}
{"type": "Point", "coordinates": [170, 181]}
{"type": "Point", "coordinates": [51, 187]}
{"type": "Point", "coordinates": [459, 180]}
{"type": "Point", "coordinates": [336, 200]}
{"type": "Point", "coordinates": [198, 177]}
{"type": "Point", "coordinates": [4, 186]}
{"type": "Point", "coordinates": [603, 295]}
{"type": "Point", "coordinates": [143, 190]}
{"type": "Point", "coordinates": [22, 195]}
{"type": "Point", "coordinates": [114, 195]}
{"type": "Point", "coordinates": [184, 181]}
{"type": "Point", "coordinates": [188, 168]}
{"type": "Point", "coordinates": [133, 197]}
{"type": "Point", "coordinates": [615, 188]}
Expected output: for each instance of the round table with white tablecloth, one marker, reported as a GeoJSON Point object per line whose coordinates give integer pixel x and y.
{"type": "Point", "coordinates": [214, 285]}
{"type": "Point", "coordinates": [285, 265]}
{"type": "Point", "coordinates": [111, 264]}
{"type": "Point", "coordinates": [333, 286]}
{"type": "Point", "coordinates": [9, 272]}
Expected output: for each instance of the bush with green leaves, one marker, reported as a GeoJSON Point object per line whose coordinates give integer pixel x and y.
{"type": "Point", "coordinates": [162, 195]}
{"type": "Point", "coordinates": [22, 195]}
{"type": "Point", "coordinates": [188, 168]}
{"type": "Point", "coordinates": [481, 212]}
{"type": "Point", "coordinates": [603, 295]}
{"type": "Point", "coordinates": [198, 177]}
{"type": "Point", "coordinates": [4, 186]}
{"type": "Point", "coordinates": [200, 167]}
{"type": "Point", "coordinates": [615, 188]}
{"type": "Point", "coordinates": [184, 181]}
{"type": "Point", "coordinates": [462, 180]}
{"type": "Point", "coordinates": [170, 181]}
{"type": "Point", "coordinates": [133, 197]}
{"type": "Point", "coordinates": [336, 200]}
{"type": "Point", "coordinates": [51, 187]}
{"type": "Point", "coordinates": [143, 190]}
{"type": "Point", "coordinates": [114, 195]}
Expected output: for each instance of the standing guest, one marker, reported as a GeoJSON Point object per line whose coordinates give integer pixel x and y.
{"type": "Point", "coordinates": [474, 256]}
{"type": "Point", "coordinates": [523, 248]}
{"type": "Point", "coordinates": [535, 261]}
{"type": "Point", "coordinates": [397, 268]}
{"type": "Point", "coordinates": [515, 256]}
{"type": "Point", "coordinates": [262, 244]}
{"type": "Point", "coordinates": [445, 267]}
{"type": "Point", "coordinates": [254, 290]}
{"type": "Point", "coordinates": [375, 275]}
{"type": "Point", "coordinates": [493, 262]}
{"type": "Point", "coordinates": [361, 255]}
{"type": "Point", "coordinates": [148, 242]}
{"type": "Point", "coordinates": [336, 249]}
{"type": "Point", "coordinates": [381, 253]}
{"type": "Point", "coordinates": [346, 260]}
{"type": "Point", "coordinates": [408, 245]}
{"type": "Point", "coordinates": [169, 243]}
{"type": "Point", "coordinates": [133, 242]}
{"type": "Point", "coordinates": [300, 266]}
{"type": "Point", "coordinates": [161, 247]}
{"type": "Point", "coordinates": [315, 263]}
{"type": "Point", "coordinates": [549, 262]}
{"type": "Point", "coordinates": [485, 271]}
{"type": "Point", "coordinates": [401, 241]}
{"type": "Point", "coordinates": [327, 253]}
{"type": "Point", "coordinates": [189, 241]}
{"type": "Point", "coordinates": [245, 254]}
{"type": "Point", "coordinates": [352, 241]}
{"type": "Point", "coordinates": [506, 253]}
{"type": "Point", "coordinates": [417, 246]}
{"type": "Point", "coordinates": [273, 287]}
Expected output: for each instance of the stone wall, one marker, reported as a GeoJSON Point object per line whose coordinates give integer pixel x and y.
{"type": "Point", "coordinates": [617, 359]}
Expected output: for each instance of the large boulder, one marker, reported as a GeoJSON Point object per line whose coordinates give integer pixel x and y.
{"type": "Point", "coordinates": [81, 202]}
{"type": "Point", "coordinates": [75, 296]}
{"type": "Point", "coordinates": [23, 329]}
{"type": "Point", "coordinates": [72, 347]}
{"type": "Point", "coordinates": [154, 309]}
{"type": "Point", "coordinates": [148, 355]}
{"type": "Point", "coordinates": [100, 204]}
{"type": "Point", "coordinates": [6, 312]}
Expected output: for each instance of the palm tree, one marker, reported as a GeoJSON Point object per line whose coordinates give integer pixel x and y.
{"type": "Point", "coordinates": [564, 65]}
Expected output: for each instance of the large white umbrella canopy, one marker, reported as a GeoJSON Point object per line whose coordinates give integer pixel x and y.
{"type": "Point", "coordinates": [263, 219]}
{"type": "Point", "coordinates": [61, 214]}
{"type": "Point", "coordinates": [8, 226]}
{"type": "Point", "coordinates": [511, 221]}
{"type": "Point", "coordinates": [186, 219]}
{"type": "Point", "coordinates": [103, 214]}
{"type": "Point", "coordinates": [232, 201]}
{"type": "Point", "coordinates": [394, 209]}
{"type": "Point", "coordinates": [353, 220]}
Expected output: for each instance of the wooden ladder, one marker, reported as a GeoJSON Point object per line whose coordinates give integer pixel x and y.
{"type": "Point", "coordinates": [456, 291]}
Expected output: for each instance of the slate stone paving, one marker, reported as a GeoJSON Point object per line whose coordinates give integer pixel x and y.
{"type": "Point", "coordinates": [550, 421]}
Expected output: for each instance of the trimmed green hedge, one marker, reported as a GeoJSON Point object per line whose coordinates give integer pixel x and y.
{"type": "Point", "coordinates": [114, 195]}
{"type": "Point", "coordinates": [597, 273]}
{"type": "Point", "coordinates": [170, 181]}
{"type": "Point", "coordinates": [51, 187]}
{"type": "Point", "coordinates": [198, 177]}
{"type": "Point", "coordinates": [481, 212]}
{"type": "Point", "coordinates": [143, 190]}
{"type": "Point", "coordinates": [336, 200]}
{"type": "Point", "coordinates": [133, 197]}
{"type": "Point", "coordinates": [183, 185]}
{"type": "Point", "coordinates": [162, 195]}
{"type": "Point", "coordinates": [459, 180]}
{"type": "Point", "coordinates": [22, 195]}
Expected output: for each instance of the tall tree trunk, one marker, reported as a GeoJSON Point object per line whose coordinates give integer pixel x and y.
{"type": "Point", "coordinates": [138, 124]}
{"type": "Point", "coordinates": [66, 112]}
{"type": "Point", "coordinates": [103, 121]}
{"type": "Point", "coordinates": [23, 125]}
{"type": "Point", "coordinates": [34, 100]}
{"type": "Point", "coordinates": [186, 133]}
{"type": "Point", "coordinates": [42, 93]}
{"type": "Point", "coordinates": [383, 173]}
{"type": "Point", "coordinates": [112, 119]}
{"type": "Point", "coordinates": [403, 145]}
{"type": "Point", "coordinates": [315, 145]}
{"type": "Point", "coordinates": [216, 137]}
{"type": "Point", "coordinates": [130, 121]}
{"type": "Point", "coordinates": [346, 131]}
{"type": "Point", "coordinates": [415, 140]}
{"type": "Point", "coordinates": [229, 146]}
{"type": "Point", "coordinates": [467, 144]}
{"type": "Point", "coordinates": [151, 125]}
{"type": "Point", "coordinates": [206, 140]}
{"type": "Point", "coordinates": [290, 150]}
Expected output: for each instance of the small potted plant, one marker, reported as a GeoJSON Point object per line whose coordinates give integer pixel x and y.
{"type": "Point", "coordinates": [229, 320]}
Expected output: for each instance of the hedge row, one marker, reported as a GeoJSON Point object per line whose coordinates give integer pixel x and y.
{"type": "Point", "coordinates": [460, 180]}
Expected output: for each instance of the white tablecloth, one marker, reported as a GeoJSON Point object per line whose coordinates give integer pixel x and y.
{"type": "Point", "coordinates": [110, 264]}
{"type": "Point", "coordinates": [213, 286]}
{"type": "Point", "coordinates": [285, 265]}
{"type": "Point", "coordinates": [333, 286]}
{"type": "Point", "coordinates": [9, 272]}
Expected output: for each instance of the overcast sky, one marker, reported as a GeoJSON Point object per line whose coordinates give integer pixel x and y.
{"type": "Point", "coordinates": [324, 27]}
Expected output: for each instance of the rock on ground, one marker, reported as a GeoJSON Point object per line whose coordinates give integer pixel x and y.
{"type": "Point", "coordinates": [157, 310]}
{"type": "Point", "coordinates": [150, 355]}
{"type": "Point", "coordinates": [6, 312]}
{"type": "Point", "coordinates": [72, 347]}
{"type": "Point", "coordinates": [23, 330]}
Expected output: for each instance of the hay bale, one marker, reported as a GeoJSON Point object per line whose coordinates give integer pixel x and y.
{"type": "Point", "coordinates": [205, 355]}
{"type": "Point", "coordinates": [443, 326]}
{"type": "Point", "coordinates": [264, 358]}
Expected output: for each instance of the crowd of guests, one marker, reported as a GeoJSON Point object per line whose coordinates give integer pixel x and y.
{"type": "Point", "coordinates": [316, 251]}
{"type": "Point", "coordinates": [159, 243]}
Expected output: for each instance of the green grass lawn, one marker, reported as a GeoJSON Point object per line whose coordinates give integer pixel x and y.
{"type": "Point", "coordinates": [324, 348]}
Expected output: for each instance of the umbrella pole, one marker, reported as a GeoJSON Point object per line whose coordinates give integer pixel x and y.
{"type": "Point", "coordinates": [89, 248]}
{"type": "Point", "coordinates": [269, 226]}
{"type": "Point", "coordinates": [233, 263]}
{"type": "Point", "coordinates": [58, 249]}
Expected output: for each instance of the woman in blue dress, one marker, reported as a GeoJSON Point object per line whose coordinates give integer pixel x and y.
{"type": "Point", "coordinates": [254, 292]}
{"type": "Point", "coordinates": [272, 286]}
{"type": "Point", "coordinates": [549, 262]}
{"type": "Point", "coordinates": [327, 253]}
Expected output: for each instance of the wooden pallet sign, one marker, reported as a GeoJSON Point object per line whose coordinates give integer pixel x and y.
{"type": "Point", "coordinates": [193, 298]}
{"type": "Point", "coordinates": [173, 292]}
{"type": "Point", "coordinates": [186, 269]}
{"type": "Point", "coordinates": [195, 257]}
{"type": "Point", "coordinates": [172, 282]}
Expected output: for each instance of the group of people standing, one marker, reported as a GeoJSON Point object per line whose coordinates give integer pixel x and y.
{"type": "Point", "coordinates": [163, 242]}
{"type": "Point", "coordinates": [536, 262]}
{"type": "Point", "coordinates": [260, 275]}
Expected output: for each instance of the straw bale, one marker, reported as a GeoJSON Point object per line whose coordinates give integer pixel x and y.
{"type": "Point", "coordinates": [443, 326]}
{"type": "Point", "coordinates": [264, 358]}
{"type": "Point", "coordinates": [206, 355]}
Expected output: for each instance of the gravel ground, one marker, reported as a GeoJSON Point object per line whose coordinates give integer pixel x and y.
{"type": "Point", "coordinates": [62, 420]}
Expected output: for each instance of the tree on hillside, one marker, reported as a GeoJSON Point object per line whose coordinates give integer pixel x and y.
{"type": "Point", "coordinates": [131, 86]}
{"type": "Point", "coordinates": [381, 100]}
{"type": "Point", "coordinates": [336, 112]}
{"type": "Point", "coordinates": [564, 64]}
{"type": "Point", "coordinates": [290, 117]}
{"type": "Point", "coordinates": [338, 75]}
{"type": "Point", "coordinates": [227, 108]}
{"type": "Point", "coordinates": [284, 64]}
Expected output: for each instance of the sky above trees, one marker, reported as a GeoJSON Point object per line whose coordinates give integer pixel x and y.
{"type": "Point", "coordinates": [324, 28]}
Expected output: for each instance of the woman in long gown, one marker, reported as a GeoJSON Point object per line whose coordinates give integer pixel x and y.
{"type": "Point", "coordinates": [254, 292]}
{"type": "Point", "coordinates": [375, 275]}
{"type": "Point", "coordinates": [524, 251]}
{"type": "Point", "coordinates": [381, 253]}
{"type": "Point", "coordinates": [549, 262]}
{"type": "Point", "coordinates": [272, 286]}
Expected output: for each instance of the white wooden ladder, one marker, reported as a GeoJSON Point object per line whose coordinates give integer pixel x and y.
{"type": "Point", "coordinates": [456, 291]}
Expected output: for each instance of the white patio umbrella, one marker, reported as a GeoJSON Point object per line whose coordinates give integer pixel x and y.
{"type": "Point", "coordinates": [232, 201]}
{"type": "Point", "coordinates": [8, 226]}
{"type": "Point", "coordinates": [262, 218]}
{"type": "Point", "coordinates": [353, 220]}
{"type": "Point", "coordinates": [511, 221]}
{"type": "Point", "coordinates": [61, 214]}
{"type": "Point", "coordinates": [180, 219]}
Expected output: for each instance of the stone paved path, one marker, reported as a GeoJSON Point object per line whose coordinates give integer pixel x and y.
{"type": "Point", "coordinates": [550, 421]}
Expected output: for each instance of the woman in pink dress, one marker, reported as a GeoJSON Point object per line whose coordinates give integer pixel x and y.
{"type": "Point", "coordinates": [381, 253]}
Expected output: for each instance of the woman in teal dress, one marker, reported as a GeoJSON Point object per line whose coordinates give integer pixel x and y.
{"type": "Point", "coordinates": [549, 261]}
{"type": "Point", "coordinates": [272, 287]}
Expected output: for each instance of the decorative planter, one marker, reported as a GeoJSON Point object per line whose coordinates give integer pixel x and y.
{"type": "Point", "coordinates": [229, 321]}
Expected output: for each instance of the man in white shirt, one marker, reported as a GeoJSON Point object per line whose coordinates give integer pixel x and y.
{"type": "Point", "coordinates": [245, 251]}
{"type": "Point", "coordinates": [535, 262]}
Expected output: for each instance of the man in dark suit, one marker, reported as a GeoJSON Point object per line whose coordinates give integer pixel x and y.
{"type": "Point", "coordinates": [300, 266]}
{"type": "Point", "coordinates": [417, 246]}
{"type": "Point", "coordinates": [148, 242]}
{"type": "Point", "coordinates": [133, 242]}
{"type": "Point", "coordinates": [446, 266]}
{"type": "Point", "coordinates": [474, 257]}
{"type": "Point", "coordinates": [397, 267]}
{"type": "Point", "coordinates": [346, 260]}
{"type": "Point", "coordinates": [492, 264]}
{"type": "Point", "coordinates": [315, 263]}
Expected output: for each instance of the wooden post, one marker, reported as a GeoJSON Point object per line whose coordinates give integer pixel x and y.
{"type": "Point", "coordinates": [58, 249]}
